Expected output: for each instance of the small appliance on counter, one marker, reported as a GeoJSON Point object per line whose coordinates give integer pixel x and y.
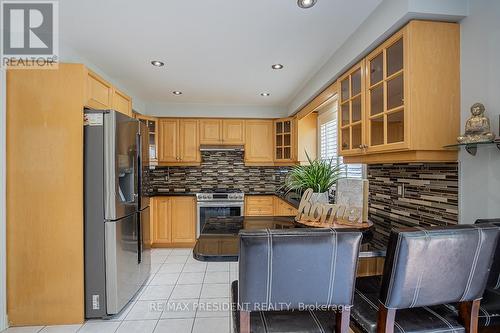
{"type": "Point", "coordinates": [117, 254]}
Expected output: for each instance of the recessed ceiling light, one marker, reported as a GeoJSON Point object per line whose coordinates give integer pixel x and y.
{"type": "Point", "coordinates": [177, 92]}
{"type": "Point", "coordinates": [277, 66]}
{"type": "Point", "coordinates": [157, 63]}
{"type": "Point", "coordinates": [265, 94]}
{"type": "Point", "coordinates": [306, 3]}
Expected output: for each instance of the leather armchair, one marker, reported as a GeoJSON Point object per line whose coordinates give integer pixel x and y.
{"type": "Point", "coordinates": [295, 280]}
{"type": "Point", "coordinates": [426, 269]}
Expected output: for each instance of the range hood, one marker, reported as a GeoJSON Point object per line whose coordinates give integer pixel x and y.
{"type": "Point", "coordinates": [221, 148]}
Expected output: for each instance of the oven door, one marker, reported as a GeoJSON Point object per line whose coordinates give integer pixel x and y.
{"type": "Point", "coordinates": [216, 209]}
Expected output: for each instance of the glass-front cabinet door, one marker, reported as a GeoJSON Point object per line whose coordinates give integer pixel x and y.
{"type": "Point", "coordinates": [386, 114]}
{"type": "Point", "coordinates": [151, 123]}
{"type": "Point", "coordinates": [283, 140]}
{"type": "Point", "coordinates": [351, 110]}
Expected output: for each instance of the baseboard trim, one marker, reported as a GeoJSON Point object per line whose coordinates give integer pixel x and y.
{"type": "Point", "coordinates": [4, 322]}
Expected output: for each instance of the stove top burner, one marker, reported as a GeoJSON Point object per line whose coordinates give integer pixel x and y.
{"type": "Point", "coordinates": [221, 190]}
{"type": "Point", "coordinates": [218, 195]}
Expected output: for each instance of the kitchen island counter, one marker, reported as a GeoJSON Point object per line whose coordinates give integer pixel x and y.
{"type": "Point", "coordinates": [219, 241]}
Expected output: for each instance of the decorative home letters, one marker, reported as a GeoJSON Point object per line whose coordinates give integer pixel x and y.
{"type": "Point", "coordinates": [320, 212]}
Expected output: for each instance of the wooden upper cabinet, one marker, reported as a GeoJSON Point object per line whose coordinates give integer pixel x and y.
{"type": "Point", "coordinates": [307, 138]}
{"type": "Point", "coordinates": [162, 214]}
{"type": "Point", "coordinates": [210, 131]}
{"type": "Point", "coordinates": [284, 140]}
{"type": "Point", "coordinates": [351, 110]}
{"type": "Point", "coordinates": [386, 111]}
{"type": "Point", "coordinates": [233, 131]}
{"type": "Point", "coordinates": [222, 131]}
{"type": "Point", "coordinates": [168, 141]}
{"type": "Point", "coordinates": [122, 103]}
{"type": "Point", "coordinates": [99, 92]}
{"type": "Point", "coordinates": [189, 142]}
{"type": "Point", "coordinates": [183, 219]}
{"type": "Point", "coordinates": [393, 105]}
{"type": "Point", "coordinates": [178, 142]}
{"type": "Point", "coordinates": [259, 142]}
{"type": "Point", "coordinates": [152, 124]}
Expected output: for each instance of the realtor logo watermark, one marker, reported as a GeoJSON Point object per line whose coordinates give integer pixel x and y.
{"type": "Point", "coordinates": [30, 34]}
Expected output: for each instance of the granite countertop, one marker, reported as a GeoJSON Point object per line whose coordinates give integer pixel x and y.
{"type": "Point", "coordinates": [219, 239]}
{"type": "Point", "coordinates": [292, 198]}
{"type": "Point", "coordinates": [169, 194]}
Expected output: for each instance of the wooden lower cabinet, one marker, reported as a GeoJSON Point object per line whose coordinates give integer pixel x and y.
{"type": "Point", "coordinates": [161, 218]}
{"type": "Point", "coordinates": [268, 205]}
{"type": "Point", "coordinates": [370, 266]}
{"type": "Point", "coordinates": [173, 221]}
{"type": "Point", "coordinates": [282, 208]}
{"type": "Point", "coordinates": [259, 205]}
{"type": "Point", "coordinates": [183, 219]}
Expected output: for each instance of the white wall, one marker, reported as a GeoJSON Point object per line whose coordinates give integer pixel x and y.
{"type": "Point", "coordinates": [210, 110]}
{"type": "Point", "coordinates": [480, 80]}
{"type": "Point", "coordinates": [387, 18]}
{"type": "Point", "coordinates": [3, 290]}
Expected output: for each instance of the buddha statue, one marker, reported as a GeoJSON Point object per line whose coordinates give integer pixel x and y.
{"type": "Point", "coordinates": [477, 127]}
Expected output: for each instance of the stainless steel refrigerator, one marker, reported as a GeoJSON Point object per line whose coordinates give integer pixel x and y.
{"type": "Point", "coordinates": [117, 261]}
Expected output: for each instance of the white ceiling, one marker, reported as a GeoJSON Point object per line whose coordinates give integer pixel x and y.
{"type": "Point", "coordinates": [216, 52]}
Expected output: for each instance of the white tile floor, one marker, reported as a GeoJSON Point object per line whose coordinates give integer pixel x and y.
{"type": "Point", "coordinates": [182, 296]}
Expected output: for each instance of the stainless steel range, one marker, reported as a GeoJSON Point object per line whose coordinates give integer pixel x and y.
{"type": "Point", "coordinates": [218, 204]}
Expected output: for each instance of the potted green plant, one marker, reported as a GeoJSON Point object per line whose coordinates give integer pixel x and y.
{"type": "Point", "coordinates": [320, 175]}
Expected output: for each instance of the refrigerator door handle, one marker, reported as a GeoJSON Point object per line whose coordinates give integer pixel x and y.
{"type": "Point", "coordinates": [139, 238]}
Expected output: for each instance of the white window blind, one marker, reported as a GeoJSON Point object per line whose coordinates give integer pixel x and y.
{"type": "Point", "coordinates": [328, 149]}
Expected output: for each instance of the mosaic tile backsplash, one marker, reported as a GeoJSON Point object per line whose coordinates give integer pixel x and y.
{"type": "Point", "coordinates": [224, 170]}
{"type": "Point", "coordinates": [428, 196]}
{"type": "Point", "coordinates": [424, 194]}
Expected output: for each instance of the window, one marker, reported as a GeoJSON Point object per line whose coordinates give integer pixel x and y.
{"type": "Point", "coordinates": [328, 149]}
